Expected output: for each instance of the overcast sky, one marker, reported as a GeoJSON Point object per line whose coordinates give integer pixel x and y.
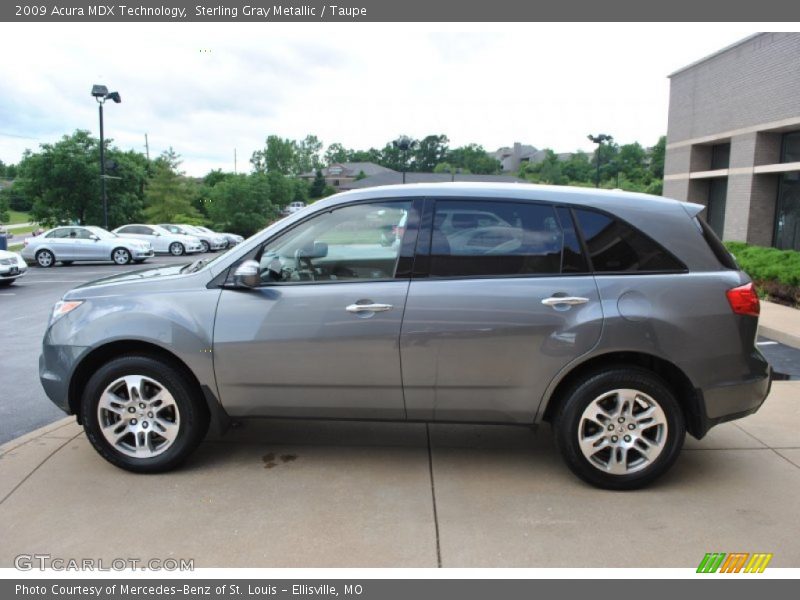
{"type": "Point", "coordinates": [207, 89]}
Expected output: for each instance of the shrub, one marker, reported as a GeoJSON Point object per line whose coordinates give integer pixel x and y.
{"type": "Point", "coordinates": [776, 273]}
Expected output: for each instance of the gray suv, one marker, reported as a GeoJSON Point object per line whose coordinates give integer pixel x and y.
{"type": "Point", "coordinates": [618, 318]}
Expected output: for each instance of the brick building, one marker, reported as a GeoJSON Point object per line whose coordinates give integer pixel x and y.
{"type": "Point", "coordinates": [733, 139]}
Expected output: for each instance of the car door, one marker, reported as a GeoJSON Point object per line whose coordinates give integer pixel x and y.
{"type": "Point", "coordinates": [320, 337]}
{"type": "Point", "coordinates": [85, 248]}
{"type": "Point", "coordinates": [495, 311]}
{"type": "Point", "coordinates": [58, 241]}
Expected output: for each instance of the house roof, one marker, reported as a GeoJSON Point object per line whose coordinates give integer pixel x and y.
{"type": "Point", "coordinates": [393, 178]}
{"type": "Point", "coordinates": [352, 169]}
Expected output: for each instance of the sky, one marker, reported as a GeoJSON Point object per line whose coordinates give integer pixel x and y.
{"type": "Point", "coordinates": [212, 90]}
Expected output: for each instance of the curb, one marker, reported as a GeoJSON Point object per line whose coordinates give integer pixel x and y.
{"type": "Point", "coordinates": [36, 433]}
{"type": "Point", "coordinates": [787, 339]}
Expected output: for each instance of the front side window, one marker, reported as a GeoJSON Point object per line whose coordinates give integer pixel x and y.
{"type": "Point", "coordinates": [483, 238]}
{"type": "Point", "coordinates": [359, 242]}
{"type": "Point", "coordinates": [616, 247]}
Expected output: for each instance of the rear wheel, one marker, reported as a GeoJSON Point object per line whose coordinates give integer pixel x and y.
{"type": "Point", "coordinates": [66, 263]}
{"type": "Point", "coordinates": [206, 247]}
{"type": "Point", "coordinates": [176, 249]}
{"type": "Point", "coordinates": [45, 259]}
{"type": "Point", "coordinates": [143, 414]}
{"type": "Point", "coordinates": [620, 429]}
{"type": "Point", "coordinates": [121, 256]}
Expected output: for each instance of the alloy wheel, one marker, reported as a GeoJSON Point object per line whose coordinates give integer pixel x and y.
{"type": "Point", "coordinates": [176, 249]}
{"type": "Point", "coordinates": [121, 256]}
{"type": "Point", "coordinates": [45, 258]}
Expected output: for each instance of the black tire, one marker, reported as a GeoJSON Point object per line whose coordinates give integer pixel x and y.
{"type": "Point", "coordinates": [568, 424]}
{"type": "Point", "coordinates": [46, 257]}
{"type": "Point", "coordinates": [194, 417]}
{"type": "Point", "coordinates": [177, 249]}
{"type": "Point", "coordinates": [66, 263]}
{"type": "Point", "coordinates": [139, 261]}
{"type": "Point", "coordinates": [121, 256]}
{"type": "Point", "coordinates": [6, 282]}
{"type": "Point", "coordinates": [205, 245]}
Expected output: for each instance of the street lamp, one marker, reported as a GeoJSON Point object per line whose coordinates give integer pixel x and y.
{"type": "Point", "coordinates": [101, 94]}
{"type": "Point", "coordinates": [599, 140]}
{"type": "Point", "coordinates": [405, 144]}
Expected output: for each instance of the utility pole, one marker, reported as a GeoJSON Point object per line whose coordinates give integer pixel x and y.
{"type": "Point", "coordinates": [599, 139]}
{"type": "Point", "coordinates": [103, 169]}
{"type": "Point", "coordinates": [147, 147]}
{"type": "Point", "coordinates": [234, 161]}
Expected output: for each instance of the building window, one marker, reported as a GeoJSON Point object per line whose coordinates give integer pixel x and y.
{"type": "Point", "coordinates": [787, 215]}
{"type": "Point", "coordinates": [715, 210]}
{"type": "Point", "coordinates": [720, 156]}
{"type": "Point", "coordinates": [790, 148]}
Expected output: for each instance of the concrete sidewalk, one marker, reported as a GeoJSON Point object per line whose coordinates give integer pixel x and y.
{"type": "Point", "coordinates": [339, 494]}
{"type": "Point", "coordinates": [780, 323]}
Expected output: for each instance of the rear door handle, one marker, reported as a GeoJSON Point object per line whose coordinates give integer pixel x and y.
{"type": "Point", "coordinates": [362, 308]}
{"type": "Point", "coordinates": [570, 300]}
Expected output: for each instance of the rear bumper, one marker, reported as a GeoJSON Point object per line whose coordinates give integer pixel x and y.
{"type": "Point", "coordinates": [729, 402]}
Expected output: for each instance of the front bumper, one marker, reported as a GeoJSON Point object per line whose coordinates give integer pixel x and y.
{"type": "Point", "coordinates": [192, 248]}
{"type": "Point", "coordinates": [56, 366]}
{"type": "Point", "coordinates": [9, 272]}
{"type": "Point", "coordinates": [143, 253]}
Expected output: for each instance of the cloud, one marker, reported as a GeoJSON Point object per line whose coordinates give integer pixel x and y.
{"type": "Point", "coordinates": [207, 89]}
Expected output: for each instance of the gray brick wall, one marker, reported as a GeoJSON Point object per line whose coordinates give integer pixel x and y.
{"type": "Point", "coordinates": [755, 82]}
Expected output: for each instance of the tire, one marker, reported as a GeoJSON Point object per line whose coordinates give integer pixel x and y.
{"type": "Point", "coordinates": [66, 263]}
{"type": "Point", "coordinates": [177, 249]}
{"type": "Point", "coordinates": [121, 256]}
{"type": "Point", "coordinates": [623, 449]}
{"type": "Point", "coordinates": [181, 415]}
{"type": "Point", "coordinates": [139, 261]}
{"type": "Point", "coordinates": [45, 259]}
{"type": "Point", "coordinates": [206, 247]}
{"type": "Point", "coordinates": [6, 282]}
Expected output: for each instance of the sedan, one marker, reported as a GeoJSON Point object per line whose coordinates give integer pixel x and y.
{"type": "Point", "coordinates": [12, 267]}
{"type": "Point", "coordinates": [76, 243]}
{"type": "Point", "coordinates": [211, 242]}
{"type": "Point", "coordinates": [233, 239]}
{"type": "Point", "coordinates": [163, 241]}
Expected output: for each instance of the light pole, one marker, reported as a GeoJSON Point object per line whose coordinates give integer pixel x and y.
{"type": "Point", "coordinates": [599, 140]}
{"type": "Point", "coordinates": [101, 94]}
{"type": "Point", "coordinates": [405, 144]}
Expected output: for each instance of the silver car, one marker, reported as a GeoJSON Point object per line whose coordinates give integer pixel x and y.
{"type": "Point", "coordinates": [617, 318]}
{"type": "Point", "coordinates": [162, 241]}
{"type": "Point", "coordinates": [232, 238]}
{"type": "Point", "coordinates": [78, 243]}
{"type": "Point", "coordinates": [12, 267]}
{"type": "Point", "coordinates": [211, 242]}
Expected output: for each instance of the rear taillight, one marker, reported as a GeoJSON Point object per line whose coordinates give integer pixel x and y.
{"type": "Point", "coordinates": [744, 300]}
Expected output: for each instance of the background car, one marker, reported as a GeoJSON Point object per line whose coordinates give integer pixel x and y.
{"type": "Point", "coordinates": [233, 239]}
{"type": "Point", "coordinates": [77, 243]}
{"type": "Point", "coordinates": [12, 267]}
{"type": "Point", "coordinates": [293, 208]}
{"type": "Point", "coordinates": [160, 239]}
{"type": "Point", "coordinates": [211, 242]}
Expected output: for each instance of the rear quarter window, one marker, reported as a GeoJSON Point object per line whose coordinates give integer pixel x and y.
{"type": "Point", "coordinates": [725, 258]}
{"type": "Point", "coordinates": [616, 247]}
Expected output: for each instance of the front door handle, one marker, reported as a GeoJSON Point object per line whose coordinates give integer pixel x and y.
{"type": "Point", "coordinates": [363, 308]}
{"type": "Point", "coordinates": [570, 300]}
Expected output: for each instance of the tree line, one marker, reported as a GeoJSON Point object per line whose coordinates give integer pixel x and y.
{"type": "Point", "coordinates": [60, 183]}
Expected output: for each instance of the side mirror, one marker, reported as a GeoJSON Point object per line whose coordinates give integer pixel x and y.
{"type": "Point", "coordinates": [317, 250]}
{"type": "Point", "coordinates": [157, 234]}
{"type": "Point", "coordinates": [94, 238]}
{"type": "Point", "coordinates": [247, 275]}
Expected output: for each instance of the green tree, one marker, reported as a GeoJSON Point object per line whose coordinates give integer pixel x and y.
{"type": "Point", "coordinates": [336, 153]}
{"type": "Point", "coordinates": [430, 151]}
{"type": "Point", "coordinates": [657, 154]}
{"type": "Point", "coordinates": [278, 156]}
{"type": "Point", "coordinates": [473, 158]}
{"type": "Point", "coordinates": [169, 194]}
{"type": "Point", "coordinates": [241, 204]}
{"type": "Point", "coordinates": [318, 185]}
{"type": "Point", "coordinates": [3, 208]}
{"type": "Point", "coordinates": [578, 169]}
{"type": "Point", "coordinates": [307, 154]}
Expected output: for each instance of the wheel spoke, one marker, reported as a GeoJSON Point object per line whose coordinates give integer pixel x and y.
{"type": "Point", "coordinates": [114, 432]}
{"type": "Point", "coordinates": [166, 429]}
{"type": "Point", "coordinates": [134, 384]}
{"type": "Point", "coordinates": [592, 444]}
{"type": "Point", "coordinates": [617, 462]}
{"type": "Point", "coordinates": [111, 402]}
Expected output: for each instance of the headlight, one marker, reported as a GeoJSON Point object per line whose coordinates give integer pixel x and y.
{"type": "Point", "coordinates": [63, 307]}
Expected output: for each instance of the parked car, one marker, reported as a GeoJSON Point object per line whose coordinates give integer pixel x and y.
{"type": "Point", "coordinates": [209, 241]}
{"type": "Point", "coordinates": [12, 267]}
{"type": "Point", "coordinates": [293, 207]}
{"type": "Point", "coordinates": [232, 238]}
{"type": "Point", "coordinates": [618, 318]}
{"type": "Point", "coordinates": [161, 240]}
{"type": "Point", "coordinates": [78, 243]}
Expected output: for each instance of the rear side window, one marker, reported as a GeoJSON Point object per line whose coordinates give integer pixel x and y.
{"type": "Point", "coordinates": [615, 246]}
{"type": "Point", "coordinates": [474, 238]}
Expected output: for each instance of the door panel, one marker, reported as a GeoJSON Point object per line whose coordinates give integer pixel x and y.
{"type": "Point", "coordinates": [486, 349]}
{"type": "Point", "coordinates": [295, 350]}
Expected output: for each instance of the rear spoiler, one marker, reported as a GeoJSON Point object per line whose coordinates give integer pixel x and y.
{"type": "Point", "coordinates": [692, 209]}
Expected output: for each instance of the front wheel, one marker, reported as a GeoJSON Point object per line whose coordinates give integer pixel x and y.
{"type": "Point", "coordinates": [6, 282]}
{"type": "Point", "coordinates": [620, 429]}
{"type": "Point", "coordinates": [177, 249]}
{"type": "Point", "coordinates": [143, 414]}
{"type": "Point", "coordinates": [121, 256]}
{"type": "Point", "coordinates": [206, 246]}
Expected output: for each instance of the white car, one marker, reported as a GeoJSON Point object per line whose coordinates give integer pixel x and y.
{"type": "Point", "coordinates": [293, 208]}
{"type": "Point", "coordinates": [160, 239]}
{"type": "Point", "coordinates": [12, 267]}
{"type": "Point", "coordinates": [75, 243]}
{"type": "Point", "coordinates": [211, 241]}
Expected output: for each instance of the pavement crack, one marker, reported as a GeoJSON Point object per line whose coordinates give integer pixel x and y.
{"type": "Point", "coordinates": [36, 468]}
{"type": "Point", "coordinates": [433, 497]}
{"type": "Point", "coordinates": [751, 435]}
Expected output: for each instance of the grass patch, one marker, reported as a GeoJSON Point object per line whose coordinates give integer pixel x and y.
{"type": "Point", "coordinates": [15, 216]}
{"type": "Point", "coordinates": [776, 273]}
